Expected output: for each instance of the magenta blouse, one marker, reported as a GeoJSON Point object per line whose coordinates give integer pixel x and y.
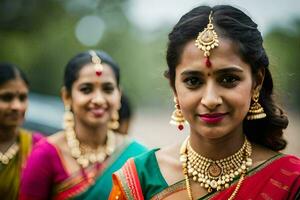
{"type": "Point", "coordinates": [43, 170]}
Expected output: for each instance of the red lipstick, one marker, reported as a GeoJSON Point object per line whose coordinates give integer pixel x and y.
{"type": "Point", "coordinates": [212, 118]}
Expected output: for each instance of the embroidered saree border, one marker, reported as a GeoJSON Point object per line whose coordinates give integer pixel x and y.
{"type": "Point", "coordinates": [130, 182]}
{"type": "Point", "coordinates": [180, 185]}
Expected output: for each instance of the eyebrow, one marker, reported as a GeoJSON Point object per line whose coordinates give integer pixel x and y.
{"type": "Point", "coordinates": [220, 71]}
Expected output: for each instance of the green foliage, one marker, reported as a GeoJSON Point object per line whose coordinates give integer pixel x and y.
{"type": "Point", "coordinates": [41, 39]}
{"type": "Point", "coordinates": [283, 47]}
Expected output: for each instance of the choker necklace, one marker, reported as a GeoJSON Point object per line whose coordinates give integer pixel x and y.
{"type": "Point", "coordinates": [214, 175]}
{"type": "Point", "coordinates": [9, 154]}
{"type": "Point", "coordinates": [84, 154]}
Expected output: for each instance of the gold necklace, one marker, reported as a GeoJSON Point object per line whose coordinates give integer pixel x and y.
{"type": "Point", "coordinates": [84, 154]}
{"type": "Point", "coordinates": [215, 174]}
{"type": "Point", "coordinates": [10, 153]}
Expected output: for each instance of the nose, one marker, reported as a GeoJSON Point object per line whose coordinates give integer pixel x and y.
{"type": "Point", "coordinates": [211, 98]}
{"type": "Point", "coordinates": [98, 98]}
{"type": "Point", "coordinates": [17, 104]}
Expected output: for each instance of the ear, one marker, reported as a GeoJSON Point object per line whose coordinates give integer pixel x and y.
{"type": "Point", "coordinates": [65, 96]}
{"type": "Point", "coordinates": [258, 80]}
{"type": "Point", "coordinates": [175, 97]}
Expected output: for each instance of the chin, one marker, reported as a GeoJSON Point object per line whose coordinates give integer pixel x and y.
{"type": "Point", "coordinates": [96, 122]}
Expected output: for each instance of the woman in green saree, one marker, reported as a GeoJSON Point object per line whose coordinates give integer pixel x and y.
{"type": "Point", "coordinates": [219, 73]}
{"type": "Point", "coordinates": [15, 143]}
{"type": "Point", "coordinates": [77, 163]}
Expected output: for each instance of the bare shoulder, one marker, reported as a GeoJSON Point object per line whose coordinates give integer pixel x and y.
{"type": "Point", "coordinates": [169, 164]}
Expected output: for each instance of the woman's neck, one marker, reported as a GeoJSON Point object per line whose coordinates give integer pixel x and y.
{"type": "Point", "coordinates": [218, 148]}
{"type": "Point", "coordinates": [7, 137]}
{"type": "Point", "coordinates": [91, 136]}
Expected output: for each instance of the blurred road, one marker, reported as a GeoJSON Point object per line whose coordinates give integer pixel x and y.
{"type": "Point", "coordinates": [152, 128]}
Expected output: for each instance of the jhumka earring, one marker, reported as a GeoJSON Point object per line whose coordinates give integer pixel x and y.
{"type": "Point", "coordinates": [207, 40]}
{"type": "Point", "coordinates": [97, 62]}
{"type": "Point", "coordinates": [256, 111]}
{"type": "Point", "coordinates": [68, 120]}
{"type": "Point", "coordinates": [114, 123]}
{"type": "Point", "coordinates": [177, 118]}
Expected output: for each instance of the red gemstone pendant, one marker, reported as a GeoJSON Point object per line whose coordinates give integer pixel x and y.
{"type": "Point", "coordinates": [180, 127]}
{"type": "Point", "coordinates": [207, 62]}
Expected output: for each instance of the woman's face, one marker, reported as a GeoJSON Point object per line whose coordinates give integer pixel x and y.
{"type": "Point", "coordinates": [13, 102]}
{"type": "Point", "coordinates": [214, 100]}
{"type": "Point", "coordinates": [94, 98]}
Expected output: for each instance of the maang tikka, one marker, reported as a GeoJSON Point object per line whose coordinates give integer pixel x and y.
{"type": "Point", "coordinates": [207, 40]}
{"type": "Point", "coordinates": [97, 62]}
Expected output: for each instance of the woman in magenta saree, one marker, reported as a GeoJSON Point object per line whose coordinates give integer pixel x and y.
{"type": "Point", "coordinates": [77, 163]}
{"type": "Point", "coordinates": [219, 73]}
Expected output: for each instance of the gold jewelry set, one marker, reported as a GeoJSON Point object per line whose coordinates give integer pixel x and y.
{"type": "Point", "coordinates": [215, 175]}
{"type": "Point", "coordinates": [84, 154]}
{"type": "Point", "coordinates": [10, 153]}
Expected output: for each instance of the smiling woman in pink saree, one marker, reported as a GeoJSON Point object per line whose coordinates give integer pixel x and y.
{"type": "Point", "coordinates": [219, 72]}
{"type": "Point", "coordinates": [77, 163]}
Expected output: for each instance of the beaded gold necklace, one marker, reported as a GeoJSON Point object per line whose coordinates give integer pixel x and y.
{"type": "Point", "coordinates": [84, 154]}
{"type": "Point", "coordinates": [9, 154]}
{"type": "Point", "coordinates": [214, 175]}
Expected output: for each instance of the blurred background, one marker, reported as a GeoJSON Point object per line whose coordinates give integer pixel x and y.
{"type": "Point", "coordinates": [41, 36]}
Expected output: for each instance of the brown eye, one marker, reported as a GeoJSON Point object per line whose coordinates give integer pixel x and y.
{"type": "Point", "coordinates": [86, 89]}
{"type": "Point", "coordinates": [7, 97]}
{"type": "Point", "coordinates": [108, 88]}
{"type": "Point", "coordinates": [193, 82]}
{"type": "Point", "coordinates": [23, 97]}
{"type": "Point", "coordinates": [229, 80]}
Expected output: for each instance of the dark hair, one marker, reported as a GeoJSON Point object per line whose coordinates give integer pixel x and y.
{"type": "Point", "coordinates": [9, 72]}
{"type": "Point", "coordinates": [77, 62]}
{"type": "Point", "coordinates": [235, 25]}
{"type": "Point", "coordinates": [125, 111]}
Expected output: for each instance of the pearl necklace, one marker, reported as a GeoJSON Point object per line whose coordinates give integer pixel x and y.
{"type": "Point", "coordinates": [84, 154]}
{"type": "Point", "coordinates": [9, 154]}
{"type": "Point", "coordinates": [214, 174]}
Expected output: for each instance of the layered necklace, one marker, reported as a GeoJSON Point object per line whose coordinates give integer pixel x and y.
{"type": "Point", "coordinates": [215, 175]}
{"type": "Point", "coordinates": [84, 155]}
{"type": "Point", "coordinates": [10, 153]}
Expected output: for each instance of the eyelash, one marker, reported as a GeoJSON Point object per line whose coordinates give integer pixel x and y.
{"type": "Point", "coordinates": [192, 82]}
{"type": "Point", "coordinates": [229, 80]}
{"type": "Point", "coordinates": [226, 81]}
{"type": "Point", "coordinates": [86, 90]}
{"type": "Point", "coordinates": [107, 89]}
{"type": "Point", "coordinates": [9, 97]}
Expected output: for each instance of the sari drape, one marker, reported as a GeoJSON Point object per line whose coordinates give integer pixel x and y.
{"type": "Point", "coordinates": [93, 182]}
{"type": "Point", "coordinates": [276, 178]}
{"type": "Point", "coordinates": [10, 173]}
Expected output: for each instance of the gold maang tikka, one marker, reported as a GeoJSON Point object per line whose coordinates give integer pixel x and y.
{"type": "Point", "coordinates": [207, 40]}
{"type": "Point", "coordinates": [97, 62]}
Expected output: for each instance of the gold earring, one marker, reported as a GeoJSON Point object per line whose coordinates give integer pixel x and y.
{"type": "Point", "coordinates": [114, 124]}
{"type": "Point", "coordinates": [256, 111]}
{"type": "Point", "coordinates": [68, 120]}
{"type": "Point", "coordinates": [177, 118]}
